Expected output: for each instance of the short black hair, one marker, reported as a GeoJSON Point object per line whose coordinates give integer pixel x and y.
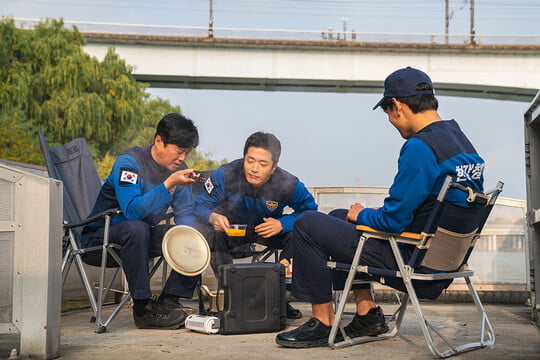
{"type": "Point", "coordinates": [417, 103]}
{"type": "Point", "coordinates": [266, 141]}
{"type": "Point", "coordinates": [178, 130]}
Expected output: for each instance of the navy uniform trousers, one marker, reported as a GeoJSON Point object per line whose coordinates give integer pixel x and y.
{"type": "Point", "coordinates": [140, 242]}
{"type": "Point", "coordinates": [317, 238]}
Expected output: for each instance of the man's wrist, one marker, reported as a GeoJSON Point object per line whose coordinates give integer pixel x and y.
{"type": "Point", "coordinates": [212, 218]}
{"type": "Point", "coordinates": [167, 185]}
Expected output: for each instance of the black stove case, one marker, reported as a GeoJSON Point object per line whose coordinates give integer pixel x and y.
{"type": "Point", "coordinates": [254, 298]}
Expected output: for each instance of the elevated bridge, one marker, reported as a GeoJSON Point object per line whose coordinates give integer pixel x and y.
{"type": "Point", "coordinates": [507, 72]}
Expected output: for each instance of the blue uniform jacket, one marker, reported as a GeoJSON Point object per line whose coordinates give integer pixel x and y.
{"type": "Point", "coordinates": [135, 185]}
{"type": "Point", "coordinates": [425, 159]}
{"type": "Point", "coordinates": [228, 190]}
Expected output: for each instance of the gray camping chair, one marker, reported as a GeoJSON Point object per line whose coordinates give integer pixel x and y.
{"type": "Point", "coordinates": [72, 163]}
{"type": "Point", "coordinates": [444, 246]}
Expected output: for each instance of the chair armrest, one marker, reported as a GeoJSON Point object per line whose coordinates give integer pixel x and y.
{"type": "Point", "coordinates": [405, 237]}
{"type": "Point", "coordinates": [114, 211]}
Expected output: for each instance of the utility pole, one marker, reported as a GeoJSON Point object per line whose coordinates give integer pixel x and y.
{"type": "Point", "coordinates": [211, 20]}
{"type": "Point", "coordinates": [446, 20]}
{"type": "Point", "coordinates": [473, 31]}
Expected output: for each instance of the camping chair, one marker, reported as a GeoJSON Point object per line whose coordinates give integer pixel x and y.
{"type": "Point", "coordinates": [72, 164]}
{"type": "Point", "coordinates": [444, 245]}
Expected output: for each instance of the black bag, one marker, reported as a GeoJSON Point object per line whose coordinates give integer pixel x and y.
{"type": "Point", "coordinates": [254, 298]}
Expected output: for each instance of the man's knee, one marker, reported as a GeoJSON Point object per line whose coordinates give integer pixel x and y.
{"type": "Point", "coordinates": [339, 213]}
{"type": "Point", "coordinates": [135, 226]}
{"type": "Point", "coordinates": [306, 219]}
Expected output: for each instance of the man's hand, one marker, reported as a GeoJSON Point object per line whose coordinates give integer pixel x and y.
{"type": "Point", "coordinates": [354, 210]}
{"type": "Point", "coordinates": [218, 222]}
{"type": "Point", "coordinates": [181, 177]}
{"type": "Point", "coordinates": [270, 227]}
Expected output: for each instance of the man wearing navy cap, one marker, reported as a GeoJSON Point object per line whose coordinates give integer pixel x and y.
{"type": "Point", "coordinates": [434, 149]}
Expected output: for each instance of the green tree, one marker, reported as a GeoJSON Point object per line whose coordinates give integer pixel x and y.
{"type": "Point", "coordinates": [50, 83]}
{"type": "Point", "coordinates": [203, 161]}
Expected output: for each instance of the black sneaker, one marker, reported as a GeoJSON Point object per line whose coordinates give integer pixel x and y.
{"type": "Point", "coordinates": [157, 316]}
{"type": "Point", "coordinates": [371, 324]}
{"type": "Point", "coordinates": [169, 302]}
{"type": "Point", "coordinates": [172, 302]}
{"type": "Point", "coordinates": [293, 313]}
{"type": "Point", "coordinates": [313, 333]}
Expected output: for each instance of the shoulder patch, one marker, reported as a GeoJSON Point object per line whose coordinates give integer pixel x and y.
{"type": "Point", "coordinates": [128, 176]}
{"type": "Point", "coordinates": [208, 185]}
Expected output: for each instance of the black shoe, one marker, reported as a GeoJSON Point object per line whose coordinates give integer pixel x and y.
{"type": "Point", "coordinates": [371, 324]}
{"type": "Point", "coordinates": [313, 333]}
{"type": "Point", "coordinates": [169, 302]}
{"type": "Point", "coordinates": [157, 316]}
{"type": "Point", "coordinates": [293, 313]}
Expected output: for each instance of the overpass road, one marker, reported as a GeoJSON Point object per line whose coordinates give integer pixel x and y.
{"type": "Point", "coordinates": [508, 72]}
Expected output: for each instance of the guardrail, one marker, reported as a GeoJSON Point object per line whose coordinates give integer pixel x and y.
{"type": "Point", "coordinates": [501, 254]}
{"type": "Point", "coordinates": [328, 35]}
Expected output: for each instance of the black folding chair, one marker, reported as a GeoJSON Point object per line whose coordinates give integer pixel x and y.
{"type": "Point", "coordinates": [72, 163]}
{"type": "Point", "coordinates": [444, 246]}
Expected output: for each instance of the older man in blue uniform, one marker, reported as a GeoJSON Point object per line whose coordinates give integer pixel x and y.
{"type": "Point", "coordinates": [144, 183]}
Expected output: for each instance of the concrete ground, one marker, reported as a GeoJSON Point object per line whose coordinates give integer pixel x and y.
{"type": "Point", "coordinates": [516, 338]}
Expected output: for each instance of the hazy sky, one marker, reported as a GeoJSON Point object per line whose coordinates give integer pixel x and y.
{"type": "Point", "coordinates": [328, 139]}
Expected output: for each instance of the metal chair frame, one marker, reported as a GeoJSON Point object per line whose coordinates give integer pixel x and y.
{"type": "Point", "coordinates": [72, 251]}
{"type": "Point", "coordinates": [407, 272]}
{"type": "Point", "coordinates": [108, 251]}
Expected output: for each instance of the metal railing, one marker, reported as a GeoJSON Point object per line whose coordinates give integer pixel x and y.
{"type": "Point", "coordinates": [327, 35]}
{"type": "Point", "coordinates": [500, 257]}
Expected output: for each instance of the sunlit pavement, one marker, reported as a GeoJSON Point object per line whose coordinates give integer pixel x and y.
{"type": "Point", "coordinates": [516, 338]}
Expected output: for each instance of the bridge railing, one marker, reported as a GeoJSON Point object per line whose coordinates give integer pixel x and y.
{"type": "Point", "coordinates": [500, 256]}
{"type": "Point", "coordinates": [328, 35]}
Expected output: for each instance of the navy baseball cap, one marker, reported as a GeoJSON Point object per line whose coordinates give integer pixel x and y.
{"type": "Point", "coordinates": [403, 82]}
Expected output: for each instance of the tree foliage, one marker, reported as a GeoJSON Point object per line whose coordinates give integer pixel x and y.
{"type": "Point", "coordinates": [50, 83]}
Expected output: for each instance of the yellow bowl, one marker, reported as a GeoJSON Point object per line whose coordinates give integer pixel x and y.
{"type": "Point", "coordinates": [236, 232]}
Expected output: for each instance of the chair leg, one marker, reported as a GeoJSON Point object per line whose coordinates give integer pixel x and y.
{"type": "Point", "coordinates": [487, 335]}
{"type": "Point", "coordinates": [337, 325]}
{"type": "Point", "coordinates": [87, 286]}
{"type": "Point", "coordinates": [97, 300]}
{"type": "Point", "coordinates": [101, 293]}
{"type": "Point", "coordinates": [397, 317]}
{"type": "Point", "coordinates": [202, 310]}
{"type": "Point", "coordinates": [66, 264]}
{"type": "Point", "coordinates": [164, 273]}
{"type": "Point", "coordinates": [101, 326]}
{"type": "Point", "coordinates": [428, 328]}
{"type": "Point", "coordinates": [265, 255]}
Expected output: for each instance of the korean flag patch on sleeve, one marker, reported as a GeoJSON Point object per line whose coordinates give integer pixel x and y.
{"type": "Point", "coordinates": [208, 185]}
{"type": "Point", "coordinates": [128, 176]}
